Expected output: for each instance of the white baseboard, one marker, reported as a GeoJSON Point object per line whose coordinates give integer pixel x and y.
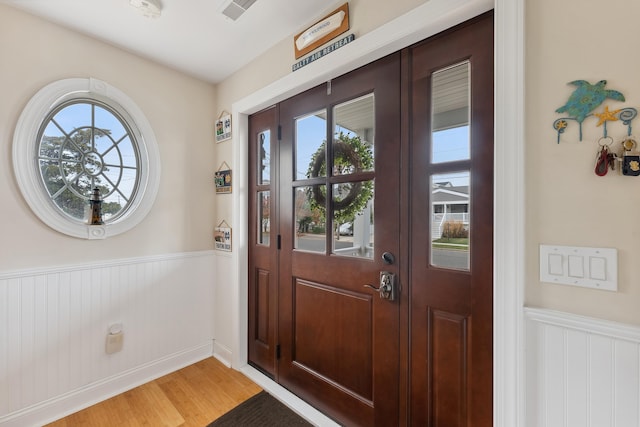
{"type": "Point", "coordinates": [222, 353]}
{"type": "Point", "coordinates": [61, 406]}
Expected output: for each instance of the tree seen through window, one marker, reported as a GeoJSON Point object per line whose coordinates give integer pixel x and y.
{"type": "Point", "coordinates": [84, 145]}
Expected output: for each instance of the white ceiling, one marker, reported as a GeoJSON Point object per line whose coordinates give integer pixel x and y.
{"type": "Point", "coordinates": [191, 35]}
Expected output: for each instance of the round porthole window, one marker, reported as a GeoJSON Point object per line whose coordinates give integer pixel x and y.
{"type": "Point", "coordinates": [77, 137]}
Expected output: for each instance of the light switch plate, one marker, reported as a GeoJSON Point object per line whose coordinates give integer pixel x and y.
{"type": "Point", "coordinates": [595, 268]}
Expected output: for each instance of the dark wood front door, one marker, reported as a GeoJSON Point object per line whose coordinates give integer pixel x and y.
{"type": "Point", "coordinates": [383, 174]}
{"type": "Point", "coordinates": [339, 339]}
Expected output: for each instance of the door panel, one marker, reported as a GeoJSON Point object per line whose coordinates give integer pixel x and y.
{"type": "Point", "coordinates": [339, 339]}
{"type": "Point", "coordinates": [336, 347]}
{"type": "Point", "coordinates": [448, 338]}
{"type": "Point", "coordinates": [451, 296]}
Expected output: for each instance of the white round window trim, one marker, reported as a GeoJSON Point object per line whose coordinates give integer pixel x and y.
{"type": "Point", "coordinates": [25, 148]}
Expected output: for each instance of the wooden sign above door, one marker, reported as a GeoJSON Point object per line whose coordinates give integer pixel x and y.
{"type": "Point", "coordinates": [328, 28]}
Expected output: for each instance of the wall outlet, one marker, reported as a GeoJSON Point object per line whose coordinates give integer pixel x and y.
{"type": "Point", "coordinates": [115, 339]}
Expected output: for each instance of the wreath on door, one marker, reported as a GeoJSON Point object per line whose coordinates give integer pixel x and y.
{"type": "Point", "coordinates": [350, 155]}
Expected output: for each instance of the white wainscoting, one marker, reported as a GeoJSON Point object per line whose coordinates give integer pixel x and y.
{"type": "Point", "coordinates": [581, 372]}
{"type": "Point", "coordinates": [225, 308]}
{"type": "Point", "coordinates": [54, 323]}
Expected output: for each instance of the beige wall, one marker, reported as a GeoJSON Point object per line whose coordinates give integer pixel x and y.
{"type": "Point", "coordinates": [566, 203]}
{"type": "Point", "coordinates": [180, 110]}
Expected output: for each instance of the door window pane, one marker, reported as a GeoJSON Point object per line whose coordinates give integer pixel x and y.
{"type": "Point", "coordinates": [310, 145]}
{"type": "Point", "coordinates": [449, 220]}
{"type": "Point", "coordinates": [310, 219]}
{"type": "Point", "coordinates": [450, 91]}
{"type": "Point", "coordinates": [264, 217]}
{"type": "Point", "coordinates": [354, 126]}
{"type": "Point", "coordinates": [264, 158]}
{"type": "Point", "coordinates": [353, 219]}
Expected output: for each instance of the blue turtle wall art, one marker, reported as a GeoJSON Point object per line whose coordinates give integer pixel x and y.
{"type": "Point", "coordinates": [585, 99]}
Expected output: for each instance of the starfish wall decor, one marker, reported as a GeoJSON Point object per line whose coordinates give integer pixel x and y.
{"type": "Point", "coordinates": [583, 102]}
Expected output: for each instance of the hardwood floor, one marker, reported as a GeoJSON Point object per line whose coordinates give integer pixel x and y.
{"type": "Point", "coordinates": [191, 397]}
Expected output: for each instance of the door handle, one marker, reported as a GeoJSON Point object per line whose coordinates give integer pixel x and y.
{"type": "Point", "coordinates": [387, 287]}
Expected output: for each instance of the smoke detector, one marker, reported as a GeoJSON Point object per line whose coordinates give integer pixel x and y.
{"type": "Point", "coordinates": [148, 8]}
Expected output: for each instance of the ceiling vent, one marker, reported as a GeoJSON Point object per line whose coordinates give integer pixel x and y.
{"type": "Point", "coordinates": [236, 8]}
{"type": "Point", "coordinates": [148, 8]}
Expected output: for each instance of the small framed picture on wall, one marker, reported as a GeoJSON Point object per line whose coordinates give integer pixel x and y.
{"type": "Point", "coordinates": [222, 237]}
{"type": "Point", "coordinates": [223, 180]}
{"type": "Point", "coordinates": [223, 127]}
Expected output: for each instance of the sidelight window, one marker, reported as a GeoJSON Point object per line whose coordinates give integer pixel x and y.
{"type": "Point", "coordinates": [451, 153]}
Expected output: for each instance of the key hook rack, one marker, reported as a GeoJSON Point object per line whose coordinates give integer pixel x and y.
{"type": "Point", "coordinates": [586, 102]}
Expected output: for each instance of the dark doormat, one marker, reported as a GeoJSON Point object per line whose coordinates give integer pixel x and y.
{"type": "Point", "coordinates": [262, 410]}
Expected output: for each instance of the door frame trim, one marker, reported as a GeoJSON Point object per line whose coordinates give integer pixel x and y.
{"type": "Point", "coordinates": [509, 245]}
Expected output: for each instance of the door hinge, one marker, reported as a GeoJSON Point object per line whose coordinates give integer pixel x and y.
{"type": "Point", "coordinates": [278, 351]}
{"type": "Point", "coordinates": [279, 133]}
{"type": "Point", "coordinates": [279, 242]}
